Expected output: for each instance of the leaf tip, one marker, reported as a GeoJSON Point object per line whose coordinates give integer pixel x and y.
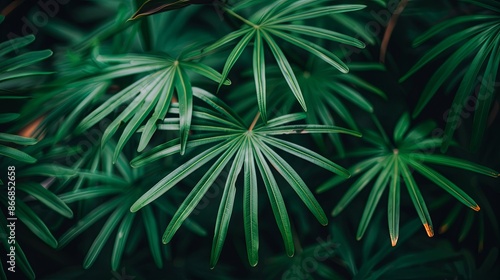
{"type": "Point", "coordinates": [476, 208]}
{"type": "Point", "coordinates": [336, 211]}
{"type": "Point", "coordinates": [443, 228]}
{"type": "Point", "coordinates": [135, 207]}
{"type": "Point", "coordinates": [394, 240]}
{"type": "Point", "coordinates": [429, 230]}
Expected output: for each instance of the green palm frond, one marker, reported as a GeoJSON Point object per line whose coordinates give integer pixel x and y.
{"type": "Point", "coordinates": [279, 21]}
{"type": "Point", "coordinates": [151, 7]}
{"type": "Point", "coordinates": [17, 67]}
{"type": "Point", "coordinates": [13, 69]}
{"type": "Point", "coordinates": [29, 194]}
{"type": "Point", "coordinates": [117, 184]}
{"type": "Point", "coordinates": [250, 149]}
{"type": "Point", "coordinates": [14, 153]}
{"type": "Point", "coordinates": [390, 164]}
{"type": "Point", "coordinates": [326, 90]}
{"type": "Point", "coordinates": [476, 44]}
{"type": "Point", "coordinates": [381, 261]}
{"type": "Point", "coordinates": [468, 225]}
{"type": "Point", "coordinates": [147, 98]}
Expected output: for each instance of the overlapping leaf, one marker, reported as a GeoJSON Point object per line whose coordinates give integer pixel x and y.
{"type": "Point", "coordinates": [149, 96]}
{"type": "Point", "coordinates": [325, 90]}
{"type": "Point", "coordinates": [119, 195]}
{"type": "Point", "coordinates": [238, 147]}
{"type": "Point", "coordinates": [280, 21]}
{"type": "Point", "coordinates": [391, 165]}
{"type": "Point", "coordinates": [477, 44]}
{"type": "Point", "coordinates": [12, 68]}
{"type": "Point", "coordinates": [151, 7]}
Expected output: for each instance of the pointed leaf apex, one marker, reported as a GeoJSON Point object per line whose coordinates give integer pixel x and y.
{"type": "Point", "coordinates": [443, 229]}
{"type": "Point", "coordinates": [335, 212]}
{"type": "Point", "coordinates": [394, 240]}
{"type": "Point", "coordinates": [429, 230]}
{"type": "Point", "coordinates": [476, 208]}
{"type": "Point", "coordinates": [165, 240]}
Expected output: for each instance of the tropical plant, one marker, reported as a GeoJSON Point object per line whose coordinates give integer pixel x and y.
{"type": "Point", "coordinates": [250, 145]}
{"type": "Point", "coordinates": [391, 163]}
{"type": "Point", "coordinates": [125, 120]}
{"type": "Point", "coordinates": [476, 43]}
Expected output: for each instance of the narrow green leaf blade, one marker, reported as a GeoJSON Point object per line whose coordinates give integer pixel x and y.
{"type": "Point", "coordinates": [34, 223]}
{"type": "Point", "coordinates": [401, 127]}
{"type": "Point", "coordinates": [103, 236]}
{"type": "Point", "coordinates": [297, 184]}
{"type": "Point", "coordinates": [205, 71]}
{"type": "Point", "coordinates": [178, 174]}
{"type": "Point", "coordinates": [286, 69]}
{"type": "Point", "coordinates": [444, 183]}
{"type": "Point", "coordinates": [91, 218]}
{"type": "Point", "coordinates": [374, 198]}
{"type": "Point", "coordinates": [152, 234]}
{"type": "Point", "coordinates": [185, 95]}
{"type": "Point", "coordinates": [276, 199]}
{"type": "Point", "coordinates": [47, 198]}
{"type": "Point", "coordinates": [121, 240]}
{"type": "Point", "coordinates": [357, 187]}
{"type": "Point", "coordinates": [306, 154]}
{"type": "Point", "coordinates": [199, 191]}
{"type": "Point", "coordinates": [455, 162]}
{"type": "Point", "coordinates": [315, 49]}
{"type": "Point", "coordinates": [259, 73]}
{"type": "Point", "coordinates": [416, 198]}
{"type": "Point", "coordinates": [226, 208]}
{"type": "Point", "coordinates": [15, 44]}
{"type": "Point", "coordinates": [250, 207]}
{"type": "Point", "coordinates": [318, 12]}
{"type": "Point", "coordinates": [16, 154]}
{"type": "Point", "coordinates": [394, 201]}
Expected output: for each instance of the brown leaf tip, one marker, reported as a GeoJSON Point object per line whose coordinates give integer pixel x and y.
{"type": "Point", "coordinates": [476, 208]}
{"type": "Point", "coordinates": [443, 228]}
{"type": "Point", "coordinates": [429, 230]}
{"type": "Point", "coordinates": [394, 240]}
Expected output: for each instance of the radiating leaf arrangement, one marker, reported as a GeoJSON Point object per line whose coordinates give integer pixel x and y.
{"type": "Point", "coordinates": [148, 97]}
{"type": "Point", "coordinates": [389, 164]}
{"type": "Point", "coordinates": [381, 261]}
{"type": "Point", "coordinates": [238, 147]}
{"type": "Point", "coordinates": [118, 185]}
{"type": "Point", "coordinates": [30, 192]}
{"type": "Point", "coordinates": [152, 7]}
{"type": "Point", "coordinates": [12, 69]}
{"type": "Point", "coordinates": [467, 225]}
{"type": "Point", "coordinates": [152, 93]}
{"type": "Point", "coordinates": [326, 89]}
{"type": "Point", "coordinates": [132, 135]}
{"type": "Point", "coordinates": [475, 44]}
{"type": "Point", "coordinates": [274, 22]}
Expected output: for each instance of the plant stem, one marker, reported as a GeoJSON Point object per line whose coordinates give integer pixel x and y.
{"type": "Point", "coordinates": [229, 11]}
{"type": "Point", "coordinates": [257, 116]}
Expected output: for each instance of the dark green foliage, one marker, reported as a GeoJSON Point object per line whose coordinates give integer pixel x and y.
{"type": "Point", "coordinates": [136, 128]}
